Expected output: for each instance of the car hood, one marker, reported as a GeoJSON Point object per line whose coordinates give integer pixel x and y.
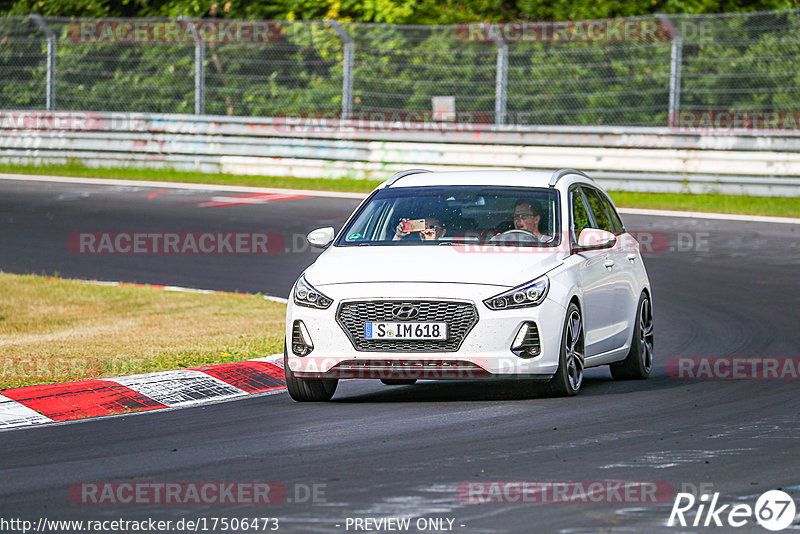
{"type": "Point", "coordinates": [446, 264]}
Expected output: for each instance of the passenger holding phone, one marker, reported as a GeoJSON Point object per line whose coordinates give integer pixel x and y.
{"type": "Point", "coordinates": [429, 229]}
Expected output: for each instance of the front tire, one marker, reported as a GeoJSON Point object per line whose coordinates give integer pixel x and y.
{"type": "Point", "coordinates": [569, 376]}
{"type": "Point", "coordinates": [307, 389]}
{"type": "Point", "coordinates": [639, 362]}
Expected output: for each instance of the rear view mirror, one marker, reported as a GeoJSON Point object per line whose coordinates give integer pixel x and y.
{"type": "Point", "coordinates": [321, 237]}
{"type": "Point", "coordinates": [594, 239]}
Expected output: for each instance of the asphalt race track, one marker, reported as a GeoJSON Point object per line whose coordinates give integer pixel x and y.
{"type": "Point", "coordinates": [721, 289]}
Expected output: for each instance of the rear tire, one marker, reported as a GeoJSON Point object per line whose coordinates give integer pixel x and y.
{"type": "Point", "coordinates": [569, 376]}
{"type": "Point", "coordinates": [639, 362]}
{"type": "Point", "coordinates": [399, 381]}
{"type": "Point", "coordinates": [307, 389]}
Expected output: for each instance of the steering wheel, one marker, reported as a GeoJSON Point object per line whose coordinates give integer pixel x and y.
{"type": "Point", "coordinates": [515, 234]}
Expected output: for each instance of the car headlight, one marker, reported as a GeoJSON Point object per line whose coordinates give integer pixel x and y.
{"type": "Point", "coordinates": [306, 295]}
{"type": "Point", "coordinates": [526, 295]}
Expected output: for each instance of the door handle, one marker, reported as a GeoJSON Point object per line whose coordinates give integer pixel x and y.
{"type": "Point", "coordinates": [631, 257]}
{"type": "Point", "coordinates": [609, 264]}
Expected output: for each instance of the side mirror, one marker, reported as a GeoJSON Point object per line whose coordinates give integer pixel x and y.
{"type": "Point", "coordinates": [594, 239]}
{"type": "Point", "coordinates": [321, 237]}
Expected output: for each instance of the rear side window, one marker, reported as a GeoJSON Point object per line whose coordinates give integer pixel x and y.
{"type": "Point", "coordinates": [597, 205]}
{"type": "Point", "coordinates": [616, 222]}
{"type": "Point", "coordinates": [580, 218]}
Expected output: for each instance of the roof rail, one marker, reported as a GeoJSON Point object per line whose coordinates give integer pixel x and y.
{"type": "Point", "coordinates": [402, 174]}
{"type": "Point", "coordinates": [563, 172]}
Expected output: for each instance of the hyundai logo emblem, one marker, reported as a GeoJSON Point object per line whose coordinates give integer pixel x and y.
{"type": "Point", "coordinates": [405, 312]}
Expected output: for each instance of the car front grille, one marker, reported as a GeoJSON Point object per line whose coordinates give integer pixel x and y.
{"type": "Point", "coordinates": [460, 317]}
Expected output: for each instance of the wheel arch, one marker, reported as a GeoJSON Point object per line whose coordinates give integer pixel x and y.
{"type": "Point", "coordinates": [646, 291]}
{"type": "Point", "coordinates": [576, 299]}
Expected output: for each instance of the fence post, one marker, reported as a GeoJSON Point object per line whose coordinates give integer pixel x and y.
{"type": "Point", "coordinates": [501, 84]}
{"type": "Point", "coordinates": [347, 68]}
{"type": "Point", "coordinates": [675, 64]}
{"type": "Point", "coordinates": [50, 92]}
{"type": "Point", "coordinates": [676, 61]}
{"type": "Point", "coordinates": [200, 78]}
{"type": "Point", "coordinates": [199, 69]}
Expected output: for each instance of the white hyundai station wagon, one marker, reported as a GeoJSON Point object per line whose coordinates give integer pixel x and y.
{"type": "Point", "coordinates": [465, 275]}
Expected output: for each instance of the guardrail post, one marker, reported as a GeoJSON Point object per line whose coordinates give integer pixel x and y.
{"type": "Point", "coordinates": [675, 64]}
{"type": "Point", "coordinates": [501, 84]}
{"type": "Point", "coordinates": [347, 68]}
{"type": "Point", "coordinates": [199, 69]}
{"type": "Point", "coordinates": [50, 92]}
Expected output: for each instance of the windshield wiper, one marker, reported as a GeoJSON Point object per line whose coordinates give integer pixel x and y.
{"type": "Point", "coordinates": [452, 240]}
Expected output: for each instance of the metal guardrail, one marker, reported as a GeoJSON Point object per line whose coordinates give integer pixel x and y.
{"type": "Point", "coordinates": [641, 159]}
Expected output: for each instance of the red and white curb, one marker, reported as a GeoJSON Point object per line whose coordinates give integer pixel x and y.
{"type": "Point", "coordinates": [49, 403]}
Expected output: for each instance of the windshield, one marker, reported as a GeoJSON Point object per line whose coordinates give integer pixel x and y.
{"type": "Point", "coordinates": [438, 215]}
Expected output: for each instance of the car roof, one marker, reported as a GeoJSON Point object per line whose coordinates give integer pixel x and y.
{"type": "Point", "coordinates": [514, 178]}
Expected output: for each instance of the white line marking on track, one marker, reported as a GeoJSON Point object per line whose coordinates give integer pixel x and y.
{"type": "Point", "coordinates": [178, 289]}
{"type": "Point", "coordinates": [714, 216]}
{"type": "Point", "coordinates": [251, 199]}
{"type": "Point", "coordinates": [176, 185]}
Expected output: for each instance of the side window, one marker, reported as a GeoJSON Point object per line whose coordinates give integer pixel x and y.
{"type": "Point", "coordinates": [580, 219]}
{"type": "Point", "coordinates": [616, 222]}
{"type": "Point", "coordinates": [596, 203]}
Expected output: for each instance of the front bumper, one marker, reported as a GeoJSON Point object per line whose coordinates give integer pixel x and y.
{"type": "Point", "coordinates": [484, 352]}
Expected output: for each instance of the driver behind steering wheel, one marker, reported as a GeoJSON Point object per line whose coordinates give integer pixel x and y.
{"type": "Point", "coordinates": [527, 216]}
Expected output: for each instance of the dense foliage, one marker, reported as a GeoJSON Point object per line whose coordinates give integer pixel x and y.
{"type": "Point", "coordinates": [741, 62]}
{"type": "Point", "coordinates": [386, 11]}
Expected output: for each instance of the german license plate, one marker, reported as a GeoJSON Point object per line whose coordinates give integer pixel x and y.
{"type": "Point", "coordinates": [405, 330]}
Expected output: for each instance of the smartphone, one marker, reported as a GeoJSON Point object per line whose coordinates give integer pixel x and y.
{"type": "Point", "coordinates": [414, 225]}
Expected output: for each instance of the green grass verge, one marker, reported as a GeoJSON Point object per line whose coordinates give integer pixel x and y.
{"type": "Point", "coordinates": [740, 204]}
{"type": "Point", "coordinates": [55, 330]}
{"type": "Point", "coordinates": [715, 203]}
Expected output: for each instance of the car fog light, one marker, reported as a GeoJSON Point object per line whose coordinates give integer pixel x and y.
{"type": "Point", "coordinates": [520, 337]}
{"type": "Point", "coordinates": [526, 342]}
{"type": "Point", "coordinates": [301, 340]}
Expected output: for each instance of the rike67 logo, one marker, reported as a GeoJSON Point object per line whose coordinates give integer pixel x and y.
{"type": "Point", "coordinates": [774, 510]}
